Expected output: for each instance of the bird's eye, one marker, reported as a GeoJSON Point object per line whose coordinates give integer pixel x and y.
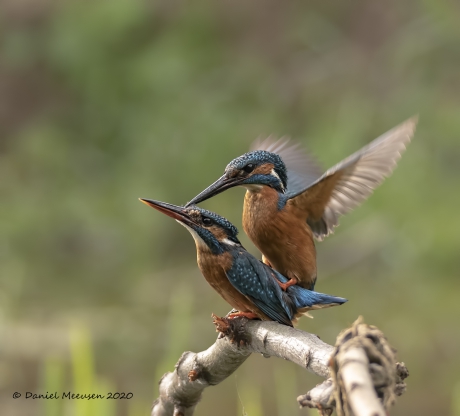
{"type": "Point", "coordinates": [207, 221]}
{"type": "Point", "coordinates": [249, 168]}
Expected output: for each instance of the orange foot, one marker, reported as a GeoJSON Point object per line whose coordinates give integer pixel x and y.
{"type": "Point", "coordinates": [249, 315]}
{"type": "Point", "coordinates": [289, 283]}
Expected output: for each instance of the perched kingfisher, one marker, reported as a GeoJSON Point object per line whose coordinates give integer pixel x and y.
{"type": "Point", "coordinates": [246, 283]}
{"type": "Point", "coordinates": [289, 202]}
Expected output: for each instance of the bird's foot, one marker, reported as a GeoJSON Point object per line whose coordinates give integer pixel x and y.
{"type": "Point", "coordinates": [249, 315]}
{"type": "Point", "coordinates": [232, 311]}
{"type": "Point", "coordinates": [289, 283]}
{"type": "Point", "coordinates": [232, 326]}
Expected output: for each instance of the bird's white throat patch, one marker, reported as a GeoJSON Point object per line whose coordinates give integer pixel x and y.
{"type": "Point", "coordinates": [198, 240]}
{"type": "Point", "coordinates": [253, 187]}
{"type": "Point", "coordinates": [273, 173]}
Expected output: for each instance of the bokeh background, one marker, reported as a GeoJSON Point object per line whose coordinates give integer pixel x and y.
{"type": "Point", "coordinates": [105, 101]}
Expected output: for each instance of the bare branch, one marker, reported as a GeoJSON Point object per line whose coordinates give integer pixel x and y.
{"type": "Point", "coordinates": [320, 397]}
{"type": "Point", "coordinates": [181, 390]}
{"type": "Point", "coordinates": [365, 378]}
{"type": "Point", "coordinates": [357, 381]}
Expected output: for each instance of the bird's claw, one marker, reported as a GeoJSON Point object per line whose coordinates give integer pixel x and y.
{"type": "Point", "coordinates": [285, 286]}
{"type": "Point", "coordinates": [231, 327]}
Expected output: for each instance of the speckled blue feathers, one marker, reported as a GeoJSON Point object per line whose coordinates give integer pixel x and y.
{"type": "Point", "coordinates": [259, 157]}
{"type": "Point", "coordinates": [208, 237]}
{"type": "Point", "coordinates": [256, 280]}
{"type": "Point", "coordinates": [225, 224]}
{"type": "Point", "coordinates": [259, 286]}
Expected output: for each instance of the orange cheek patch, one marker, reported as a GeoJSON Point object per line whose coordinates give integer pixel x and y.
{"type": "Point", "coordinates": [218, 233]}
{"type": "Point", "coordinates": [264, 169]}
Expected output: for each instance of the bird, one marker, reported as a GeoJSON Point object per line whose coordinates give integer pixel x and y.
{"type": "Point", "coordinates": [289, 202]}
{"type": "Point", "coordinates": [246, 283]}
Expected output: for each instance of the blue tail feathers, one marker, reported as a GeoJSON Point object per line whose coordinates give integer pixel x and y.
{"type": "Point", "coordinates": [304, 298]}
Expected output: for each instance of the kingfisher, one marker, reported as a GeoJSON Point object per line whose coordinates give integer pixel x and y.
{"type": "Point", "coordinates": [289, 202]}
{"type": "Point", "coordinates": [246, 283]}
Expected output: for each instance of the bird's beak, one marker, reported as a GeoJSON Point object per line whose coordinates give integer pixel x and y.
{"type": "Point", "coordinates": [222, 184]}
{"type": "Point", "coordinates": [173, 211]}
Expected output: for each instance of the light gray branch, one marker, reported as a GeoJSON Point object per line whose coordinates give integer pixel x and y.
{"type": "Point", "coordinates": [323, 396]}
{"type": "Point", "coordinates": [180, 391]}
{"type": "Point", "coordinates": [362, 363]}
{"type": "Point", "coordinates": [357, 381]}
{"type": "Point", "coordinates": [365, 373]}
{"type": "Point", "coordinates": [320, 397]}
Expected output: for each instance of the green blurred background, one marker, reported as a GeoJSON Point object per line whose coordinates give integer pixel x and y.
{"type": "Point", "coordinates": [105, 101]}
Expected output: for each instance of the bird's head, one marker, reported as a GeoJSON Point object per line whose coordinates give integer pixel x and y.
{"type": "Point", "coordinates": [210, 231]}
{"type": "Point", "coordinates": [251, 170]}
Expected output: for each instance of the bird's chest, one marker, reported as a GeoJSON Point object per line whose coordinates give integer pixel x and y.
{"type": "Point", "coordinates": [263, 221]}
{"type": "Point", "coordinates": [283, 236]}
{"type": "Point", "coordinates": [213, 269]}
{"type": "Point", "coordinates": [260, 210]}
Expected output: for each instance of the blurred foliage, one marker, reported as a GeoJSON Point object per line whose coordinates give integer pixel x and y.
{"type": "Point", "coordinates": [105, 101]}
{"type": "Point", "coordinates": [456, 400]}
{"type": "Point", "coordinates": [84, 381]}
{"type": "Point", "coordinates": [53, 382]}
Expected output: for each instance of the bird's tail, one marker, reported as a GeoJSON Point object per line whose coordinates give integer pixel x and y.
{"type": "Point", "coordinates": [306, 300]}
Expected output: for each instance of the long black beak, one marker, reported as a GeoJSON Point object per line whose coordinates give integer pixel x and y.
{"type": "Point", "coordinates": [173, 211]}
{"type": "Point", "coordinates": [221, 185]}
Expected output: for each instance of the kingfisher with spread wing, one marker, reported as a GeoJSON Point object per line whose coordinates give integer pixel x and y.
{"type": "Point", "coordinates": [289, 203]}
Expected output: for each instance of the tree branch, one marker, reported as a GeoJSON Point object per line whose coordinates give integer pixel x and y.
{"type": "Point", "coordinates": [365, 378]}
{"type": "Point", "coordinates": [320, 397]}
{"type": "Point", "coordinates": [181, 390]}
{"type": "Point", "coordinates": [357, 382]}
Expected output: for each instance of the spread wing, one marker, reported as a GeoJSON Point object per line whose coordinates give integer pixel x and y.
{"type": "Point", "coordinates": [302, 169]}
{"type": "Point", "coordinates": [350, 182]}
{"type": "Point", "coordinates": [253, 279]}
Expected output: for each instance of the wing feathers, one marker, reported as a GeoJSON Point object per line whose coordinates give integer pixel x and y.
{"type": "Point", "coordinates": [353, 180]}
{"type": "Point", "coordinates": [250, 277]}
{"type": "Point", "coordinates": [302, 169]}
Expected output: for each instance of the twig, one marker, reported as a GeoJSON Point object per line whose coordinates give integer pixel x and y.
{"type": "Point", "coordinates": [320, 397]}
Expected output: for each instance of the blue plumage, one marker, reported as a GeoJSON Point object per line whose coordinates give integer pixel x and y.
{"type": "Point", "coordinates": [245, 282]}
{"type": "Point", "coordinates": [259, 286]}
{"type": "Point", "coordinates": [259, 157]}
{"type": "Point", "coordinates": [225, 224]}
{"type": "Point", "coordinates": [290, 201]}
{"type": "Point", "coordinates": [256, 280]}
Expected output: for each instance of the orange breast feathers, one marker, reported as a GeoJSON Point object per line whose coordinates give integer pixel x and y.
{"type": "Point", "coordinates": [283, 236]}
{"type": "Point", "coordinates": [213, 269]}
